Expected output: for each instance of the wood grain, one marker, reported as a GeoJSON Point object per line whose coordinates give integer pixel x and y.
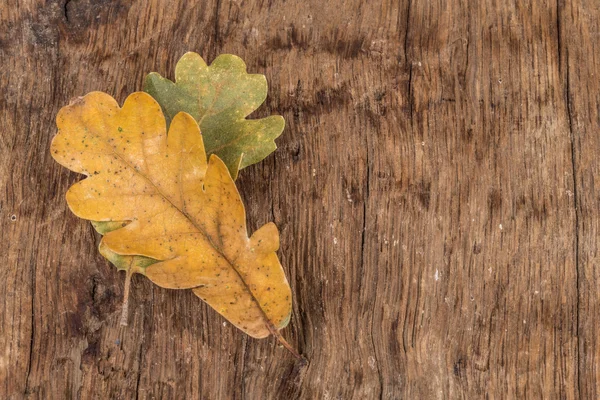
{"type": "Point", "coordinates": [434, 189]}
{"type": "Point", "coordinates": [580, 67]}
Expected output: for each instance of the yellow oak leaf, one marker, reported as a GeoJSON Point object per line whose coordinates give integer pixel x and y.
{"type": "Point", "coordinates": [180, 210]}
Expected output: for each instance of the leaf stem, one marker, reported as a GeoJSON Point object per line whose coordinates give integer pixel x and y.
{"type": "Point", "coordinates": [125, 308]}
{"type": "Point", "coordinates": [284, 342]}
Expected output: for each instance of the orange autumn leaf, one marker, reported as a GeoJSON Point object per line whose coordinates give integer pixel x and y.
{"type": "Point", "coordinates": [179, 210]}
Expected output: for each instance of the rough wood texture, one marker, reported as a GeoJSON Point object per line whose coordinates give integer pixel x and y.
{"type": "Point", "coordinates": [435, 191]}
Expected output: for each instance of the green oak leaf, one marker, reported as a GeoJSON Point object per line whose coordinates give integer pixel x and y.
{"type": "Point", "coordinates": [220, 97]}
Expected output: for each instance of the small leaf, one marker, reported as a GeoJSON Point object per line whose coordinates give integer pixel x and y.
{"type": "Point", "coordinates": [220, 97]}
{"type": "Point", "coordinates": [122, 262]}
{"type": "Point", "coordinates": [185, 222]}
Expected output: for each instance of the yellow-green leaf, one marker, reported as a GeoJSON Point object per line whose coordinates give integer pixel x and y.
{"type": "Point", "coordinates": [122, 262]}
{"type": "Point", "coordinates": [220, 97]}
{"type": "Point", "coordinates": [183, 214]}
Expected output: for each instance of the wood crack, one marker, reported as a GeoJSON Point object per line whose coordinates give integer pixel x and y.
{"type": "Point", "coordinates": [32, 338]}
{"type": "Point", "coordinates": [66, 10]}
{"type": "Point", "coordinates": [569, 109]}
{"type": "Point", "coordinates": [216, 28]}
{"type": "Point", "coordinates": [410, 110]}
{"type": "Point", "coordinates": [577, 217]}
{"type": "Point", "coordinates": [363, 264]}
{"type": "Point", "coordinates": [140, 353]}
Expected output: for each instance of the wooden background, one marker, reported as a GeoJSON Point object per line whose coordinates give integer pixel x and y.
{"type": "Point", "coordinates": [435, 189]}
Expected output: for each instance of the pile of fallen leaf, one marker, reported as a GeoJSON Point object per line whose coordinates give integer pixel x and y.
{"type": "Point", "coordinates": [160, 187]}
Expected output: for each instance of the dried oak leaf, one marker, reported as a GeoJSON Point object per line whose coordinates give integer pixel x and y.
{"type": "Point", "coordinates": [185, 224]}
{"type": "Point", "coordinates": [220, 97]}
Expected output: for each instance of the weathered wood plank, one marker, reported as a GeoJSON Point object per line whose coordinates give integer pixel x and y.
{"type": "Point", "coordinates": [580, 54]}
{"type": "Point", "coordinates": [484, 221]}
{"type": "Point", "coordinates": [434, 189]}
